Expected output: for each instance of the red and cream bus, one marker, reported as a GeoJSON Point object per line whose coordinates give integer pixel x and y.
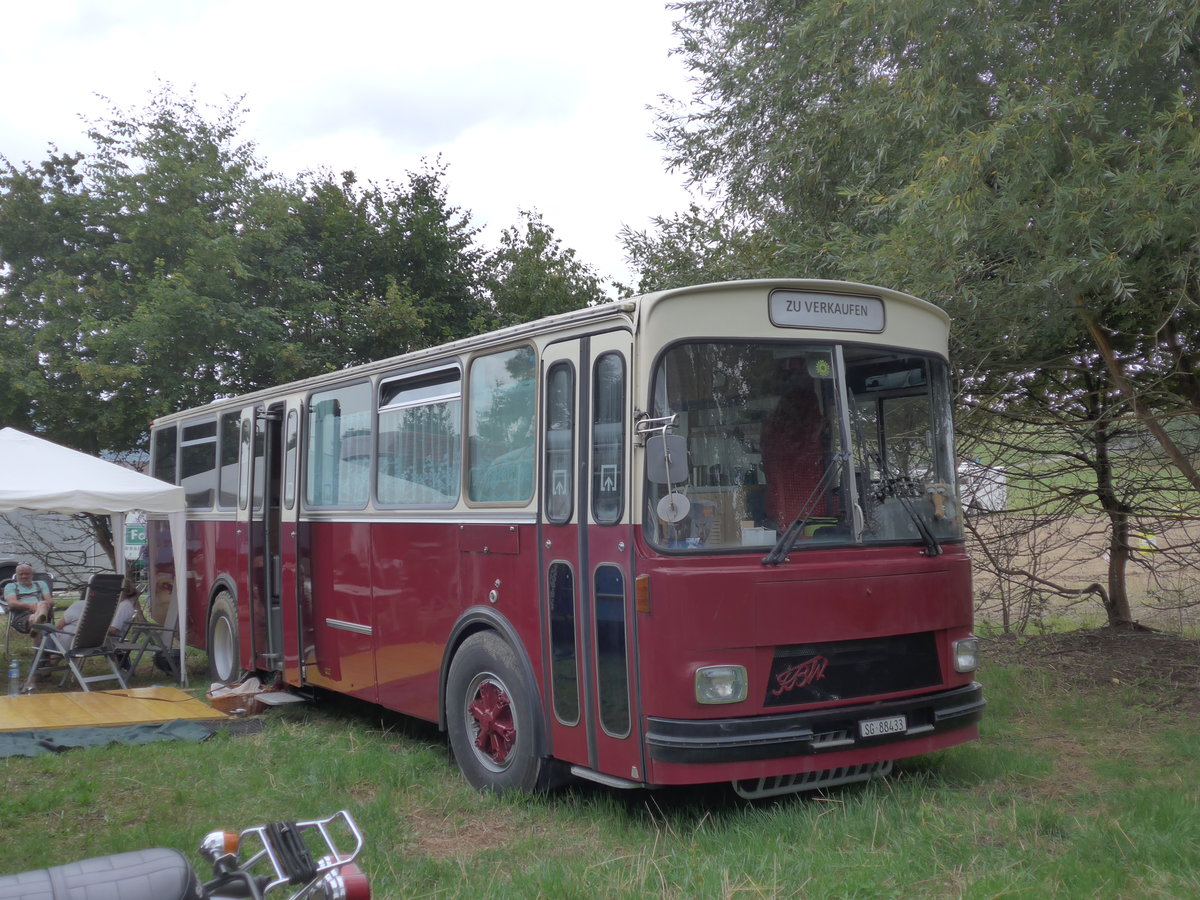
{"type": "Point", "coordinates": [702, 535]}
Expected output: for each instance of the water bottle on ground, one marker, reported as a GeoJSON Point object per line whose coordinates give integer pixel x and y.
{"type": "Point", "coordinates": [14, 678]}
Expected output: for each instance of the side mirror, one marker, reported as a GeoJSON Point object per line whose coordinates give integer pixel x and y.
{"type": "Point", "coordinates": [666, 459]}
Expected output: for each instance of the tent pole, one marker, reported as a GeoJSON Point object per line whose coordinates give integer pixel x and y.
{"type": "Point", "coordinates": [179, 553]}
{"type": "Point", "coordinates": [117, 523]}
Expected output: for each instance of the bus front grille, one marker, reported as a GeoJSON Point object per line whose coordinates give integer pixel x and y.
{"type": "Point", "coordinates": [843, 670]}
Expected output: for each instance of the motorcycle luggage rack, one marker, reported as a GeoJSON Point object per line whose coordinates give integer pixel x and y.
{"type": "Point", "coordinates": [267, 857]}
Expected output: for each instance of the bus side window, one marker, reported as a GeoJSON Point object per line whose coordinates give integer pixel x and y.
{"type": "Point", "coordinates": [608, 438]}
{"type": "Point", "coordinates": [227, 476]}
{"type": "Point", "coordinates": [558, 488]}
{"type": "Point", "coordinates": [339, 447]}
{"type": "Point", "coordinates": [291, 448]}
{"type": "Point", "coordinates": [419, 457]}
{"type": "Point", "coordinates": [198, 464]}
{"type": "Point", "coordinates": [563, 667]}
{"type": "Point", "coordinates": [260, 464]}
{"type": "Point", "coordinates": [612, 666]}
{"type": "Point", "coordinates": [165, 454]}
{"type": "Point", "coordinates": [500, 445]}
{"type": "Point", "coordinates": [244, 459]}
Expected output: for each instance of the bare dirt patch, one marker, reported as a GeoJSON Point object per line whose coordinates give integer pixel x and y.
{"type": "Point", "coordinates": [441, 833]}
{"type": "Point", "coordinates": [1166, 666]}
{"type": "Point", "coordinates": [447, 835]}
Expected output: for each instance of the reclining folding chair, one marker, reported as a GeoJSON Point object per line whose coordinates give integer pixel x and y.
{"type": "Point", "coordinates": [20, 621]}
{"type": "Point", "coordinates": [143, 636]}
{"type": "Point", "coordinates": [90, 640]}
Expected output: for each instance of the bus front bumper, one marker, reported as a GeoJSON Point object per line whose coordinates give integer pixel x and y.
{"type": "Point", "coordinates": [809, 733]}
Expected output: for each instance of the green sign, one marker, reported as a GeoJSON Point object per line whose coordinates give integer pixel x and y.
{"type": "Point", "coordinates": [135, 535]}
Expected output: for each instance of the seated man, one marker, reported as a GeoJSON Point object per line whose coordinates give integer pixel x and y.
{"type": "Point", "coordinates": [28, 601]}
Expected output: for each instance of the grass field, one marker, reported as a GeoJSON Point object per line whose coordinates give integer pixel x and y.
{"type": "Point", "coordinates": [1078, 788]}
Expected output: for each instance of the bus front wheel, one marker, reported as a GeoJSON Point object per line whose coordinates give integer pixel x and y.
{"type": "Point", "coordinates": [491, 715]}
{"type": "Point", "coordinates": [223, 655]}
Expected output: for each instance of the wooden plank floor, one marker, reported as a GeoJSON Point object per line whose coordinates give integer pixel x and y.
{"type": "Point", "coordinates": [96, 709]}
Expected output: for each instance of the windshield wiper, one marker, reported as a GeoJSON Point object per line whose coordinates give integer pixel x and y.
{"type": "Point", "coordinates": [932, 547]}
{"type": "Point", "coordinates": [787, 540]}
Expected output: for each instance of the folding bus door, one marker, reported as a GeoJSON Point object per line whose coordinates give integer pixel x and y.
{"type": "Point", "coordinates": [586, 548]}
{"type": "Point", "coordinates": [265, 540]}
{"type": "Point", "coordinates": [292, 627]}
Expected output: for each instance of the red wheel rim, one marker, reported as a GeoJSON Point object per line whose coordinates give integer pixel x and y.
{"type": "Point", "coordinates": [490, 717]}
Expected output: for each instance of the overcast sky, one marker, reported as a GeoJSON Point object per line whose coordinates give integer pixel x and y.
{"type": "Point", "coordinates": [532, 104]}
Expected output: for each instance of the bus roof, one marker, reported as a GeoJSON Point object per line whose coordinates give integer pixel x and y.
{"type": "Point", "coordinates": [631, 310]}
{"type": "Point", "coordinates": [509, 334]}
{"type": "Point", "coordinates": [797, 284]}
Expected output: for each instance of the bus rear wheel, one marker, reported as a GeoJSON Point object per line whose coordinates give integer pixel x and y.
{"type": "Point", "coordinates": [223, 655]}
{"type": "Point", "coordinates": [491, 716]}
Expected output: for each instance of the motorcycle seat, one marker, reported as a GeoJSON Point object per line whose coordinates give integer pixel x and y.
{"type": "Point", "coordinates": [158, 874]}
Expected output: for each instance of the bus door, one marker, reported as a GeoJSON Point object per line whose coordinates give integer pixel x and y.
{"type": "Point", "coordinates": [586, 546]}
{"type": "Point", "coordinates": [293, 625]}
{"type": "Point", "coordinates": [265, 559]}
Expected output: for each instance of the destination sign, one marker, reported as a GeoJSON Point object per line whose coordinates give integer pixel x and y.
{"type": "Point", "coordinates": [839, 312]}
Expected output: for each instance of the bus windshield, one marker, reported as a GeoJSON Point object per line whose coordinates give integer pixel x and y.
{"type": "Point", "coordinates": [840, 443]}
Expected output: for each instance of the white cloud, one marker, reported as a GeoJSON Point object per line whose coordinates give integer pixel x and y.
{"type": "Point", "coordinates": [533, 104]}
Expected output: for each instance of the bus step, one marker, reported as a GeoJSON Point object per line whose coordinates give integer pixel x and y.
{"type": "Point", "coordinates": [758, 788]}
{"type": "Point", "coordinates": [282, 698]}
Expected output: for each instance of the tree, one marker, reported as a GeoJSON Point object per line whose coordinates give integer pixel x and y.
{"type": "Point", "coordinates": [532, 274]}
{"type": "Point", "coordinates": [42, 230]}
{"type": "Point", "coordinates": [696, 247]}
{"type": "Point", "coordinates": [1030, 166]}
{"type": "Point", "coordinates": [168, 268]}
{"type": "Point", "coordinates": [383, 269]}
{"type": "Point", "coordinates": [131, 274]}
{"type": "Point", "coordinates": [1084, 485]}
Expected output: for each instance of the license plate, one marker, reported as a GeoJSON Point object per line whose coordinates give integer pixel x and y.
{"type": "Point", "coordinates": [875, 727]}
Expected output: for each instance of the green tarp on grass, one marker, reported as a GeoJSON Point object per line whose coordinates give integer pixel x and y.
{"type": "Point", "coordinates": [38, 743]}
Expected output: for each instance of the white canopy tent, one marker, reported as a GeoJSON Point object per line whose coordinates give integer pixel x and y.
{"type": "Point", "coordinates": [42, 476]}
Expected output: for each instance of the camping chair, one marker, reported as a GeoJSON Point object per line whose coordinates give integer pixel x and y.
{"type": "Point", "coordinates": [89, 641]}
{"type": "Point", "coordinates": [19, 621]}
{"type": "Point", "coordinates": [143, 636]}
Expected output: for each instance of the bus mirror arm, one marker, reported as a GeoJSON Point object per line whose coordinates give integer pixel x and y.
{"type": "Point", "coordinates": [644, 425]}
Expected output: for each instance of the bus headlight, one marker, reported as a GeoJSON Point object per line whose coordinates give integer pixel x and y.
{"type": "Point", "coordinates": [966, 655]}
{"type": "Point", "coordinates": [721, 684]}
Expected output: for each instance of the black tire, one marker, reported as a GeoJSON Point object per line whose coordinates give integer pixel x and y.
{"type": "Point", "coordinates": [224, 657]}
{"type": "Point", "coordinates": [492, 717]}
